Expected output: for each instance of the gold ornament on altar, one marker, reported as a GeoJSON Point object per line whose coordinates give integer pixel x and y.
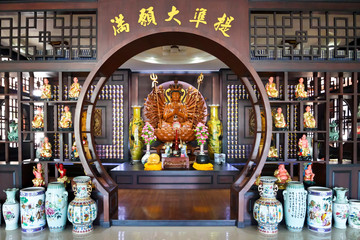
{"type": "Point", "coordinates": [46, 151]}
{"type": "Point", "coordinates": [309, 120]}
{"type": "Point", "coordinates": [65, 122]}
{"type": "Point", "coordinates": [175, 112]}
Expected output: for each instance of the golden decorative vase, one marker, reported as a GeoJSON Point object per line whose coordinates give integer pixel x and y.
{"type": "Point", "coordinates": [215, 132]}
{"type": "Point", "coordinates": [135, 129]}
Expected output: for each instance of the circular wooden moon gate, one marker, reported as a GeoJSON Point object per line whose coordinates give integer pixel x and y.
{"type": "Point", "coordinates": [120, 54]}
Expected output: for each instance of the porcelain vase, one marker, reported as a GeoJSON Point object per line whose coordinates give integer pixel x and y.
{"type": "Point", "coordinates": [11, 209]}
{"type": "Point", "coordinates": [268, 211]}
{"type": "Point", "coordinates": [32, 209]}
{"type": "Point", "coordinates": [56, 203]}
{"type": "Point", "coordinates": [135, 129]}
{"type": "Point", "coordinates": [340, 208]}
{"type": "Point", "coordinates": [145, 158]}
{"type": "Point", "coordinates": [82, 211]}
{"type": "Point", "coordinates": [295, 206]}
{"type": "Point", "coordinates": [319, 209]}
{"type": "Point", "coordinates": [215, 132]}
{"type": "Point", "coordinates": [354, 214]}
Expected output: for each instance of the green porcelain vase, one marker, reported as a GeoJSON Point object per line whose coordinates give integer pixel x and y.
{"type": "Point", "coordinates": [135, 129]}
{"type": "Point", "coordinates": [215, 132]}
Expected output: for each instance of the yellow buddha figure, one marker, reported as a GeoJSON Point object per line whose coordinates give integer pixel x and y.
{"type": "Point", "coordinates": [38, 122]}
{"type": "Point", "coordinates": [46, 152]}
{"type": "Point", "coordinates": [65, 121]}
{"type": "Point", "coordinates": [282, 176]}
{"type": "Point", "coordinates": [309, 120]}
{"type": "Point", "coordinates": [75, 89]}
{"type": "Point", "coordinates": [273, 153]}
{"type": "Point", "coordinates": [46, 90]}
{"type": "Point", "coordinates": [300, 89]}
{"type": "Point", "coordinates": [279, 120]}
{"type": "Point", "coordinates": [153, 162]}
{"type": "Point", "coordinates": [304, 150]}
{"type": "Point", "coordinates": [271, 90]}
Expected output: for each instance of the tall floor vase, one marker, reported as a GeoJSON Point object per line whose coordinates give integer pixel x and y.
{"type": "Point", "coordinates": [268, 211]}
{"type": "Point", "coordinates": [11, 209]}
{"type": "Point", "coordinates": [55, 206]}
{"type": "Point", "coordinates": [215, 132]}
{"type": "Point", "coordinates": [340, 208]}
{"type": "Point", "coordinates": [135, 129]}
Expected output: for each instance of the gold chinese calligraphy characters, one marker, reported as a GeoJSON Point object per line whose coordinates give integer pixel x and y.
{"type": "Point", "coordinates": [147, 17]}
{"type": "Point", "coordinates": [121, 25]}
{"type": "Point", "coordinates": [199, 17]}
{"type": "Point", "coordinates": [223, 25]}
{"type": "Point", "coordinates": [171, 14]}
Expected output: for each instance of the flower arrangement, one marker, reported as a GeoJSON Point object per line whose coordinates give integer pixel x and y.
{"type": "Point", "coordinates": [201, 133]}
{"type": "Point", "coordinates": [148, 133]}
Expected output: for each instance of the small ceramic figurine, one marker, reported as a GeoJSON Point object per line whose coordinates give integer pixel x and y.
{"type": "Point", "coordinates": [273, 154]}
{"type": "Point", "coordinates": [308, 174]}
{"type": "Point", "coordinates": [334, 134]}
{"type": "Point", "coordinates": [309, 120]}
{"type": "Point", "coordinates": [38, 181]}
{"type": "Point", "coordinates": [300, 92]}
{"type": "Point", "coordinates": [168, 149]}
{"type": "Point", "coordinates": [65, 122]}
{"type": "Point", "coordinates": [38, 122]}
{"type": "Point", "coordinates": [183, 149]}
{"type": "Point", "coordinates": [282, 176]}
{"type": "Point", "coordinates": [13, 133]}
{"type": "Point", "coordinates": [63, 178]}
{"type": "Point", "coordinates": [74, 153]}
{"type": "Point", "coordinates": [75, 89]}
{"type": "Point", "coordinates": [46, 152]}
{"type": "Point", "coordinates": [46, 90]}
{"type": "Point", "coordinates": [279, 120]}
{"type": "Point", "coordinates": [304, 150]}
{"type": "Point", "coordinates": [271, 90]}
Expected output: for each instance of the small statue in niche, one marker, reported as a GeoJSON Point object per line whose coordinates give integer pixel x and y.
{"type": "Point", "coordinates": [183, 149]}
{"type": "Point", "coordinates": [75, 89]}
{"type": "Point", "coordinates": [279, 120]}
{"type": "Point", "coordinates": [304, 150]}
{"type": "Point", "coordinates": [308, 174]}
{"type": "Point", "coordinates": [74, 153]}
{"type": "Point", "coordinates": [38, 172]}
{"type": "Point", "coordinates": [168, 150]}
{"type": "Point", "coordinates": [309, 120]}
{"type": "Point", "coordinates": [13, 134]}
{"type": "Point", "coordinates": [358, 113]}
{"type": "Point", "coordinates": [333, 135]}
{"type": "Point", "coordinates": [46, 90]}
{"type": "Point", "coordinates": [62, 178]}
{"type": "Point", "coordinates": [65, 122]}
{"type": "Point", "coordinates": [271, 90]}
{"type": "Point", "coordinates": [38, 122]}
{"type": "Point", "coordinates": [273, 154]}
{"type": "Point", "coordinates": [300, 93]}
{"type": "Point", "coordinates": [282, 176]}
{"type": "Point", "coordinates": [45, 152]}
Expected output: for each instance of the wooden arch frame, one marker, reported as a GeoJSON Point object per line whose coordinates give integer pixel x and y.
{"type": "Point", "coordinates": [132, 46]}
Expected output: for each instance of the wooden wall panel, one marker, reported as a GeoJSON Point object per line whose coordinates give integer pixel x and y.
{"type": "Point", "coordinates": [9, 177]}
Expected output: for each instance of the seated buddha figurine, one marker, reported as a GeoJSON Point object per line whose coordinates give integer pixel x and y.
{"type": "Point", "coordinates": [65, 122]}
{"type": "Point", "coordinates": [304, 150]}
{"type": "Point", "coordinates": [38, 181]}
{"type": "Point", "coordinates": [282, 176]}
{"type": "Point", "coordinates": [273, 154]}
{"type": "Point", "coordinates": [153, 162]}
{"type": "Point", "coordinates": [271, 90]}
{"type": "Point", "coordinates": [46, 90]}
{"type": "Point", "coordinates": [45, 152]}
{"type": "Point", "coordinates": [308, 174]}
{"type": "Point", "coordinates": [300, 92]}
{"type": "Point", "coordinates": [309, 120]}
{"type": "Point", "coordinates": [279, 120]}
{"type": "Point", "coordinates": [75, 89]}
{"type": "Point", "coordinates": [38, 122]}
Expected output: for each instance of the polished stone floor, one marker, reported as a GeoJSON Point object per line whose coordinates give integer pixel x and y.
{"type": "Point", "coordinates": [181, 233]}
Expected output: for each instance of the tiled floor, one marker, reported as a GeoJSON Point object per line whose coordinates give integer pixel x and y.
{"type": "Point", "coordinates": [181, 233]}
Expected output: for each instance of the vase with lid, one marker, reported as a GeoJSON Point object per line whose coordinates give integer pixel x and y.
{"type": "Point", "coordinates": [11, 209]}
{"type": "Point", "coordinates": [268, 211]}
{"type": "Point", "coordinates": [340, 207]}
{"type": "Point", "coordinates": [82, 211]}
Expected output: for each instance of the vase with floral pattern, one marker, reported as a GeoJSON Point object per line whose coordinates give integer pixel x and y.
{"type": "Point", "coordinates": [215, 132]}
{"type": "Point", "coordinates": [11, 209]}
{"type": "Point", "coordinates": [354, 214]}
{"type": "Point", "coordinates": [340, 207]}
{"type": "Point", "coordinates": [82, 211]}
{"type": "Point", "coordinates": [56, 203]}
{"type": "Point", "coordinates": [135, 130]}
{"type": "Point", "coordinates": [32, 209]}
{"type": "Point", "coordinates": [319, 209]}
{"type": "Point", "coordinates": [268, 211]}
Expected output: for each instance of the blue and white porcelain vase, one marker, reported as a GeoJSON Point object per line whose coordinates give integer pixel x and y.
{"type": "Point", "coordinates": [340, 207]}
{"type": "Point", "coordinates": [11, 209]}
{"type": "Point", "coordinates": [32, 209]}
{"type": "Point", "coordinates": [354, 215]}
{"type": "Point", "coordinates": [268, 211]}
{"type": "Point", "coordinates": [295, 206]}
{"type": "Point", "coordinates": [82, 210]}
{"type": "Point", "coordinates": [56, 203]}
{"type": "Point", "coordinates": [319, 209]}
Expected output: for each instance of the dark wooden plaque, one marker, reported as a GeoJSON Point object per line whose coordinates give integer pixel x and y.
{"type": "Point", "coordinates": [175, 163]}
